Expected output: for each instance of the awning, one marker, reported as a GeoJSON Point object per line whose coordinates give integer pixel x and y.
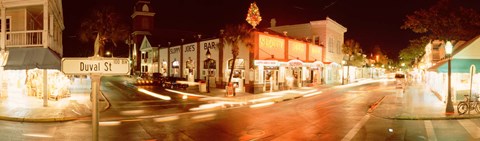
{"type": "Point", "coordinates": [458, 66]}
{"type": "Point", "coordinates": [29, 58]}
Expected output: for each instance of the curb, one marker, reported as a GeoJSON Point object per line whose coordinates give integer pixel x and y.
{"type": "Point", "coordinates": [433, 118]}
{"type": "Point", "coordinates": [375, 105]}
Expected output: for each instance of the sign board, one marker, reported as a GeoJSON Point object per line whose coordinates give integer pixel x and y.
{"type": "Point", "coordinates": [104, 66]}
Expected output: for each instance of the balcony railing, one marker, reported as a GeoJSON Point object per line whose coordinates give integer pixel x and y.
{"type": "Point", "coordinates": [24, 38]}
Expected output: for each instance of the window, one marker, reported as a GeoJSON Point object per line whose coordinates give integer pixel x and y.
{"type": "Point", "coordinates": [316, 40]}
{"type": "Point", "coordinates": [330, 45]}
{"type": "Point", "coordinates": [146, 55]}
{"type": "Point", "coordinates": [146, 68]}
{"type": "Point", "coordinates": [339, 46]}
{"type": "Point", "coordinates": [8, 21]}
{"type": "Point", "coordinates": [145, 8]}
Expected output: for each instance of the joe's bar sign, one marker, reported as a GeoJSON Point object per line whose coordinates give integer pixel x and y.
{"type": "Point", "coordinates": [112, 66]}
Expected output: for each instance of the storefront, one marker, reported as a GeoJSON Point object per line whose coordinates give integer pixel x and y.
{"type": "Point", "coordinates": [315, 72]}
{"type": "Point", "coordinates": [174, 70]}
{"type": "Point", "coordinates": [29, 71]}
{"type": "Point", "coordinates": [209, 72]}
{"type": "Point", "coordinates": [238, 76]}
{"type": "Point", "coordinates": [189, 57]}
{"type": "Point", "coordinates": [332, 73]}
{"type": "Point", "coordinates": [163, 58]}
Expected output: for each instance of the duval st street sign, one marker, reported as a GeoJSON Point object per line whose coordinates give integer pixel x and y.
{"type": "Point", "coordinates": [104, 66]}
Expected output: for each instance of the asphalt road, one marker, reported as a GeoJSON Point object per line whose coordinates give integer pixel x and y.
{"type": "Point", "coordinates": [336, 114]}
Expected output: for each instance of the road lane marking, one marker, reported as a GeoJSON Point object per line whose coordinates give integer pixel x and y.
{"type": "Point", "coordinates": [471, 128]}
{"type": "Point", "coordinates": [356, 128]}
{"type": "Point", "coordinates": [430, 132]}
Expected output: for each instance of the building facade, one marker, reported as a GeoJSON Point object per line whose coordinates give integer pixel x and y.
{"type": "Point", "coordinates": [31, 48]}
{"type": "Point", "coordinates": [463, 56]}
{"type": "Point", "coordinates": [327, 33]}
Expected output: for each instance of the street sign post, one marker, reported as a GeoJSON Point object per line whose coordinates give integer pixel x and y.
{"type": "Point", "coordinates": [96, 67]}
{"type": "Point", "coordinates": [104, 66]}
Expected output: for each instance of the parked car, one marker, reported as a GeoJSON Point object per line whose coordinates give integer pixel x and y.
{"type": "Point", "coordinates": [400, 80]}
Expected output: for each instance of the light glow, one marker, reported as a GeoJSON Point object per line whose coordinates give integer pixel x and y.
{"type": "Point", "coordinates": [312, 94]}
{"type": "Point", "coordinates": [38, 135]}
{"type": "Point", "coordinates": [154, 94]}
{"type": "Point", "coordinates": [165, 119]}
{"type": "Point", "coordinates": [262, 104]}
{"type": "Point", "coordinates": [448, 48]}
{"type": "Point", "coordinates": [109, 123]}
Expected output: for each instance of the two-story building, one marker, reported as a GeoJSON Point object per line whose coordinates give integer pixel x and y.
{"type": "Point", "coordinates": [31, 48]}
{"type": "Point", "coordinates": [327, 33]}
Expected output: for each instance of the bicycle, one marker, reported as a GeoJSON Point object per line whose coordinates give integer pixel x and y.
{"type": "Point", "coordinates": [468, 105]}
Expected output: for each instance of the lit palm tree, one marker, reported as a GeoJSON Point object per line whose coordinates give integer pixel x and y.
{"type": "Point", "coordinates": [234, 35]}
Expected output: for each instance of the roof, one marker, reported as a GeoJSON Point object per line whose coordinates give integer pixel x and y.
{"type": "Point", "coordinates": [462, 58]}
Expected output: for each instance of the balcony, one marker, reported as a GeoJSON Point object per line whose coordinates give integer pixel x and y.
{"type": "Point", "coordinates": [30, 38]}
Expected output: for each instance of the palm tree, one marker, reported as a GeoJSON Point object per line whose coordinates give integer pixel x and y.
{"type": "Point", "coordinates": [105, 25]}
{"type": "Point", "coordinates": [234, 35]}
{"type": "Point", "coordinates": [351, 48]}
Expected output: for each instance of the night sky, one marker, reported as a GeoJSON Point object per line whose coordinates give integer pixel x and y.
{"type": "Point", "coordinates": [370, 22]}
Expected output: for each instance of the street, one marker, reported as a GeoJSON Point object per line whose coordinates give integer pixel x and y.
{"type": "Point", "coordinates": [339, 113]}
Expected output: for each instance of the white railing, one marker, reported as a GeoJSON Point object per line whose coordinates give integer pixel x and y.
{"type": "Point", "coordinates": [24, 38]}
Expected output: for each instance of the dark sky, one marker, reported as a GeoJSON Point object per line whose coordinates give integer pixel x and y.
{"type": "Point", "coordinates": [370, 22]}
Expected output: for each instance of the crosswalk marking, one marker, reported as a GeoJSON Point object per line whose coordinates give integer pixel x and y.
{"type": "Point", "coordinates": [471, 128]}
{"type": "Point", "coordinates": [430, 132]}
{"type": "Point", "coordinates": [356, 128]}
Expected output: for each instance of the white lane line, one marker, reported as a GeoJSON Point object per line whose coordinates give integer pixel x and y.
{"type": "Point", "coordinates": [356, 128]}
{"type": "Point", "coordinates": [430, 132]}
{"type": "Point", "coordinates": [471, 128]}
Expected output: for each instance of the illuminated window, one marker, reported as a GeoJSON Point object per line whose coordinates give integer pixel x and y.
{"type": "Point", "coordinates": [145, 8]}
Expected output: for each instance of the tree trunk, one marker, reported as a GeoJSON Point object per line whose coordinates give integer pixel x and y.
{"type": "Point", "coordinates": [231, 70]}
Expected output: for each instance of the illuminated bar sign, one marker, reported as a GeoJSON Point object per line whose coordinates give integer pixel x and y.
{"type": "Point", "coordinates": [315, 52]}
{"type": "Point", "coordinates": [269, 46]}
{"type": "Point", "coordinates": [297, 49]}
{"type": "Point", "coordinates": [295, 63]}
{"type": "Point", "coordinates": [272, 63]}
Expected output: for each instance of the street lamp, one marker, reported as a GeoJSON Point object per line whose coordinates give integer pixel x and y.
{"type": "Point", "coordinates": [343, 76]}
{"type": "Point", "coordinates": [448, 50]}
{"type": "Point", "coordinates": [208, 69]}
{"type": "Point", "coordinates": [108, 53]}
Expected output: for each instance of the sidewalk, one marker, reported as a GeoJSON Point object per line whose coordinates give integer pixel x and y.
{"type": "Point", "coordinates": [19, 107]}
{"type": "Point", "coordinates": [416, 103]}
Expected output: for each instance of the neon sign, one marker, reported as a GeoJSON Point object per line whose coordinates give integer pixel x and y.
{"type": "Point", "coordinates": [270, 42]}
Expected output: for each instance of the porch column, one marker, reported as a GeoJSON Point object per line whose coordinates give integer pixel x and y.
{"type": "Point", "coordinates": [3, 29]}
{"type": "Point", "coordinates": [45, 24]}
{"type": "Point", "coordinates": [2, 51]}
{"type": "Point", "coordinates": [45, 86]}
{"type": "Point", "coordinates": [45, 45]}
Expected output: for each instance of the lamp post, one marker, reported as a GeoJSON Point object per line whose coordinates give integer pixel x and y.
{"type": "Point", "coordinates": [208, 69]}
{"type": "Point", "coordinates": [343, 76]}
{"type": "Point", "coordinates": [448, 50]}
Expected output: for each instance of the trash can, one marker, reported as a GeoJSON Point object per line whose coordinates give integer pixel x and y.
{"type": "Point", "coordinates": [202, 87]}
{"type": "Point", "coordinates": [230, 89]}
